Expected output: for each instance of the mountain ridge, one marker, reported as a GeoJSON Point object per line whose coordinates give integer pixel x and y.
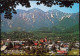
{"type": "Point", "coordinates": [35, 19]}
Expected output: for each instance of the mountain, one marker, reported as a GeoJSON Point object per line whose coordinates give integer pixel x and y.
{"type": "Point", "coordinates": [73, 29]}
{"type": "Point", "coordinates": [67, 22]}
{"type": "Point", "coordinates": [36, 19]}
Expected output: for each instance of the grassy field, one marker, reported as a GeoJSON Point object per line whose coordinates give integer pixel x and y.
{"type": "Point", "coordinates": [72, 52]}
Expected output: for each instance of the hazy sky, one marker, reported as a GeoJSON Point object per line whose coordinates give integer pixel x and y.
{"type": "Point", "coordinates": [74, 9]}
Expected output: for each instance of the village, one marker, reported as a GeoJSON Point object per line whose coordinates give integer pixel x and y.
{"type": "Point", "coordinates": [38, 47]}
{"type": "Point", "coordinates": [39, 27]}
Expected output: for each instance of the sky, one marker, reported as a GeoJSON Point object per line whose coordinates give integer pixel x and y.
{"type": "Point", "coordinates": [74, 9]}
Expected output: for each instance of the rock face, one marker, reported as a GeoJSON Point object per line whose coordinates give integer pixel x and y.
{"type": "Point", "coordinates": [35, 18]}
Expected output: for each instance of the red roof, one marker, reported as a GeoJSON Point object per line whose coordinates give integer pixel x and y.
{"type": "Point", "coordinates": [60, 51]}
{"type": "Point", "coordinates": [16, 46]}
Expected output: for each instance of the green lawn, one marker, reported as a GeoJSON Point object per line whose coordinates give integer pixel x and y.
{"type": "Point", "coordinates": [74, 52]}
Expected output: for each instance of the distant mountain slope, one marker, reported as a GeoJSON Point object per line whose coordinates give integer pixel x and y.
{"type": "Point", "coordinates": [36, 18]}
{"type": "Point", "coordinates": [73, 29]}
{"type": "Point", "coordinates": [67, 22]}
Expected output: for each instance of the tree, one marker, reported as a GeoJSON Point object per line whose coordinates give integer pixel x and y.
{"type": "Point", "coordinates": [8, 6]}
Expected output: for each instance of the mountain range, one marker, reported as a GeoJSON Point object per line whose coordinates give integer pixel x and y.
{"type": "Point", "coordinates": [37, 20]}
